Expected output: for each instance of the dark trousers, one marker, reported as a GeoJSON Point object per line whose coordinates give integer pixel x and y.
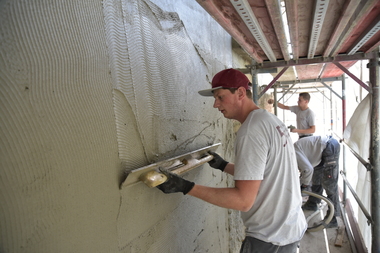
{"type": "Point", "coordinates": [253, 245]}
{"type": "Point", "coordinates": [325, 175]}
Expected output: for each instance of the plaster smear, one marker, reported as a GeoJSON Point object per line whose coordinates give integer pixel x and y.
{"type": "Point", "coordinates": [91, 89]}
{"type": "Point", "coordinates": [58, 148]}
{"type": "Point", "coordinates": [152, 46]}
{"type": "Point", "coordinates": [166, 118]}
{"type": "Point", "coordinates": [150, 56]}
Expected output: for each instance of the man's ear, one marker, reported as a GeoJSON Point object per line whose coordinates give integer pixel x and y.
{"type": "Point", "coordinates": [242, 92]}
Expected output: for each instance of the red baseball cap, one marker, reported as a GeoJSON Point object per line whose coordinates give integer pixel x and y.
{"type": "Point", "coordinates": [225, 79]}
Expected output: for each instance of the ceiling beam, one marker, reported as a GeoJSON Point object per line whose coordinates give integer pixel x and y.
{"type": "Point", "coordinates": [371, 30]}
{"type": "Point", "coordinates": [245, 12]}
{"type": "Point", "coordinates": [317, 60]}
{"type": "Point", "coordinates": [229, 26]}
{"type": "Point", "coordinates": [349, 8]}
{"type": "Point", "coordinates": [274, 9]}
{"type": "Point", "coordinates": [292, 16]}
{"type": "Point", "coordinates": [317, 80]}
{"type": "Point", "coordinates": [375, 46]}
{"type": "Point", "coordinates": [356, 18]}
{"type": "Point", "coordinates": [319, 16]}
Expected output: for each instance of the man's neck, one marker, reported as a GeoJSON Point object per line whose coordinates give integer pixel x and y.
{"type": "Point", "coordinates": [250, 107]}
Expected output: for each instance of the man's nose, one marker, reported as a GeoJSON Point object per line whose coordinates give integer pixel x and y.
{"type": "Point", "coordinates": [216, 104]}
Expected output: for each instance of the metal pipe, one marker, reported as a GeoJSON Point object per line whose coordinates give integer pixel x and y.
{"type": "Point", "coordinates": [343, 98]}
{"type": "Point", "coordinates": [360, 82]}
{"type": "Point", "coordinates": [331, 113]}
{"type": "Point", "coordinates": [374, 78]}
{"type": "Point", "coordinates": [275, 99]}
{"type": "Point", "coordinates": [273, 81]}
{"type": "Point", "coordinates": [343, 103]}
{"type": "Point", "coordinates": [362, 207]}
{"type": "Point", "coordinates": [320, 91]}
{"type": "Point", "coordinates": [328, 87]}
{"type": "Point", "coordinates": [255, 87]}
{"type": "Point", "coordinates": [287, 91]}
{"type": "Point", "coordinates": [361, 159]}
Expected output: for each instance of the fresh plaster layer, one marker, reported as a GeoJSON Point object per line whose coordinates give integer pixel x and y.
{"type": "Point", "coordinates": [90, 90]}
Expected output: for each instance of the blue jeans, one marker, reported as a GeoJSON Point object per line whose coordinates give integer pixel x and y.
{"type": "Point", "coordinates": [325, 175]}
{"type": "Point", "coordinates": [253, 245]}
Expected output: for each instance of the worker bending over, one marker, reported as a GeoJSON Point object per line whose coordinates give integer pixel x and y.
{"type": "Point", "coordinates": [318, 163]}
{"type": "Point", "coordinates": [305, 116]}
{"type": "Point", "coordinates": [266, 178]}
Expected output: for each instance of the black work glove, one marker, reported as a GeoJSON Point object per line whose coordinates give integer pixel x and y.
{"type": "Point", "coordinates": [218, 162]}
{"type": "Point", "coordinates": [175, 183]}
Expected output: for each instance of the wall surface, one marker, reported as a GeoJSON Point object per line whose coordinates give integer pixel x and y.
{"type": "Point", "coordinates": [90, 89]}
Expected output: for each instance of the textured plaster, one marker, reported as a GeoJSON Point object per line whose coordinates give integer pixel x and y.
{"type": "Point", "coordinates": [90, 89]}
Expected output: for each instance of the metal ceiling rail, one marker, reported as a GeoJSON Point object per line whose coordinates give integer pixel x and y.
{"type": "Point", "coordinates": [347, 12]}
{"type": "Point", "coordinates": [365, 36]}
{"type": "Point", "coordinates": [357, 16]}
{"type": "Point", "coordinates": [319, 17]}
{"type": "Point", "coordinates": [274, 9]}
{"type": "Point", "coordinates": [245, 12]}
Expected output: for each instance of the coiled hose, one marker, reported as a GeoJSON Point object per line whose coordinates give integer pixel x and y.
{"type": "Point", "coordinates": [323, 224]}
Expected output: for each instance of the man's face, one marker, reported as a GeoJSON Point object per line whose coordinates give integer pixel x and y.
{"type": "Point", "coordinates": [226, 103]}
{"type": "Point", "coordinates": [302, 102]}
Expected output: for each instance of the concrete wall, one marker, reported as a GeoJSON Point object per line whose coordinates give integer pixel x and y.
{"type": "Point", "coordinates": [90, 89]}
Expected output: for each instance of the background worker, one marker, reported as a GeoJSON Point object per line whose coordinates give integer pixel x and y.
{"type": "Point", "coordinates": [305, 116]}
{"type": "Point", "coordinates": [267, 186]}
{"type": "Point", "coordinates": [322, 153]}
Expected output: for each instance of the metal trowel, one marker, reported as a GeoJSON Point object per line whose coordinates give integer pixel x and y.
{"type": "Point", "coordinates": [151, 176]}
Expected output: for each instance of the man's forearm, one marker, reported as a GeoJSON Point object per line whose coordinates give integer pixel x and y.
{"type": "Point", "coordinates": [241, 197]}
{"type": "Point", "coordinates": [282, 106]}
{"type": "Point", "coordinates": [310, 130]}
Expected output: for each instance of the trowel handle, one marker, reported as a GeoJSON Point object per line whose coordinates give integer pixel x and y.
{"type": "Point", "coordinates": [153, 178]}
{"type": "Point", "coordinates": [192, 164]}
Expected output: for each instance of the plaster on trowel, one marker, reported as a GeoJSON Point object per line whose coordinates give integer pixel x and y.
{"type": "Point", "coordinates": [151, 176]}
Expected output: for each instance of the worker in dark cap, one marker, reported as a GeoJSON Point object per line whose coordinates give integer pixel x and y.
{"type": "Point", "coordinates": [267, 189]}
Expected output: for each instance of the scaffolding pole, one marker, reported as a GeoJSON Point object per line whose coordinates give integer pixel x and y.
{"type": "Point", "coordinates": [374, 79]}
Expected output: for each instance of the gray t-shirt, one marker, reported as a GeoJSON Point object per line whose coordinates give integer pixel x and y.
{"type": "Point", "coordinates": [305, 119]}
{"type": "Point", "coordinates": [309, 154]}
{"type": "Point", "coordinates": [264, 151]}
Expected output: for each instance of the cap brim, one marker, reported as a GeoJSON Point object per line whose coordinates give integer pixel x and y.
{"type": "Point", "coordinates": [209, 92]}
